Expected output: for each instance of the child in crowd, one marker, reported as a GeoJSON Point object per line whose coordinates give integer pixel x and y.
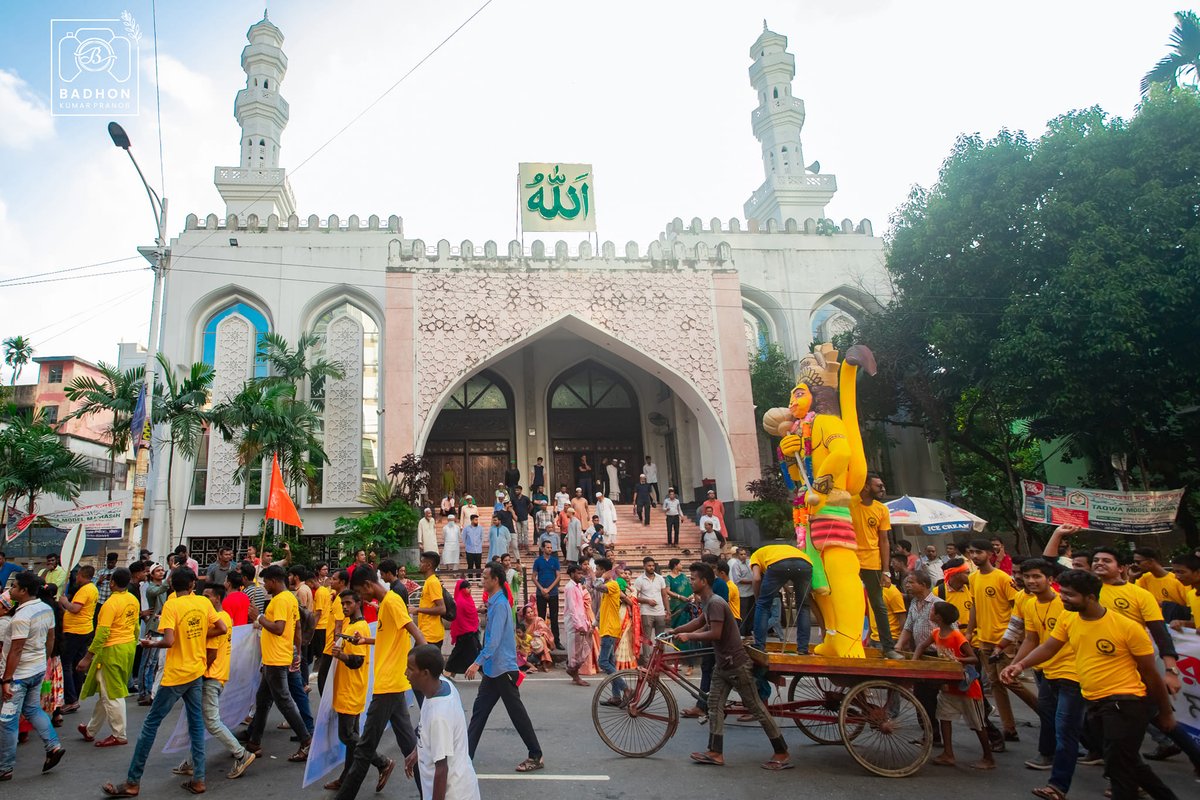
{"type": "Point", "coordinates": [524, 648]}
{"type": "Point", "coordinates": [955, 700]}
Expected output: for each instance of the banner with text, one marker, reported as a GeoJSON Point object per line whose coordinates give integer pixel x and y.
{"type": "Point", "coordinates": [237, 698]}
{"type": "Point", "coordinates": [557, 197]}
{"type": "Point", "coordinates": [101, 521]}
{"type": "Point", "coordinates": [1187, 702]}
{"type": "Point", "coordinates": [1134, 513]}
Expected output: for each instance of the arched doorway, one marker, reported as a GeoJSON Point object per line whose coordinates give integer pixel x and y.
{"type": "Point", "coordinates": [593, 412]}
{"type": "Point", "coordinates": [473, 437]}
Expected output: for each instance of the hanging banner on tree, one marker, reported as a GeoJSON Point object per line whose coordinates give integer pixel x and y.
{"type": "Point", "coordinates": [1187, 703]}
{"type": "Point", "coordinates": [556, 197]}
{"type": "Point", "coordinates": [100, 521]}
{"type": "Point", "coordinates": [1133, 513]}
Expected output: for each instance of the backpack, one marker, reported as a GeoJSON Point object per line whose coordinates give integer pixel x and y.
{"type": "Point", "coordinates": [451, 608]}
{"type": "Point", "coordinates": [308, 626]}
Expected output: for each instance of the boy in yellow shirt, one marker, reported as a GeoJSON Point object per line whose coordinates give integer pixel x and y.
{"type": "Point", "coordinates": [280, 640]}
{"type": "Point", "coordinates": [333, 622]}
{"type": "Point", "coordinates": [349, 677]}
{"type": "Point", "coordinates": [428, 613]}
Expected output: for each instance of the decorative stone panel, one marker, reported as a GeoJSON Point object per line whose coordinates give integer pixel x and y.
{"type": "Point", "coordinates": [232, 362]}
{"type": "Point", "coordinates": [343, 412]}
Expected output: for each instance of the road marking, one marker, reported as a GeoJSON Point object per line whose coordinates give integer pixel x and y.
{"type": "Point", "coordinates": [536, 777]}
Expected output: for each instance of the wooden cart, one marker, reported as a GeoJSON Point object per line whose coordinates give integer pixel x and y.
{"type": "Point", "coordinates": [865, 704]}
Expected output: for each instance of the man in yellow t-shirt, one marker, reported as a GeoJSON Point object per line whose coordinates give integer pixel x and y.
{"type": "Point", "coordinates": [1163, 585]}
{"type": "Point", "coordinates": [79, 619]}
{"type": "Point", "coordinates": [1114, 661]}
{"type": "Point", "coordinates": [279, 637]}
{"type": "Point", "coordinates": [184, 626]}
{"type": "Point", "coordinates": [349, 678]}
{"type": "Point", "coordinates": [771, 567]}
{"type": "Point", "coordinates": [395, 633]}
{"type": "Point", "coordinates": [1187, 569]}
{"type": "Point", "coordinates": [109, 661]}
{"type": "Point", "coordinates": [993, 594]}
{"type": "Point", "coordinates": [872, 522]}
{"type": "Point", "coordinates": [215, 677]}
{"type": "Point", "coordinates": [956, 590]}
{"type": "Point", "coordinates": [339, 581]}
{"type": "Point", "coordinates": [433, 602]}
{"type": "Point", "coordinates": [609, 627]}
{"type": "Point", "coordinates": [896, 612]}
{"type": "Point", "coordinates": [322, 608]}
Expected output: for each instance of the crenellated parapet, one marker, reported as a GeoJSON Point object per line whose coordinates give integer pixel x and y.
{"type": "Point", "coordinates": [656, 255]}
{"type": "Point", "coordinates": [811, 226]}
{"type": "Point", "coordinates": [251, 223]}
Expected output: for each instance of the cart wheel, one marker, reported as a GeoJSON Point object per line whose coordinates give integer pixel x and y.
{"type": "Point", "coordinates": [642, 726]}
{"type": "Point", "coordinates": [821, 698]}
{"type": "Point", "coordinates": [885, 729]}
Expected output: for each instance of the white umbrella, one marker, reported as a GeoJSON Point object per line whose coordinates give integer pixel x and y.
{"type": "Point", "coordinates": [933, 516]}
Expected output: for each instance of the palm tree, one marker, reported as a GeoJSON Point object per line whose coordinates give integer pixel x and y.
{"type": "Point", "coordinates": [17, 352]}
{"type": "Point", "coordinates": [34, 461]}
{"type": "Point", "coordinates": [294, 366]}
{"type": "Point", "coordinates": [244, 417]}
{"type": "Point", "coordinates": [1184, 58]}
{"type": "Point", "coordinates": [116, 393]}
{"type": "Point", "coordinates": [182, 405]}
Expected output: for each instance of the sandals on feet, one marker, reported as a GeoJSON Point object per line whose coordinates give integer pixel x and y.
{"type": "Point", "coordinates": [195, 787]}
{"type": "Point", "coordinates": [119, 790]}
{"type": "Point", "coordinates": [531, 765]}
{"type": "Point", "coordinates": [777, 766]}
{"type": "Point", "coordinates": [300, 756]}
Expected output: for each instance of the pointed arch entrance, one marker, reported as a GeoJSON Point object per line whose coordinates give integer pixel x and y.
{"type": "Point", "coordinates": [473, 438]}
{"type": "Point", "coordinates": [592, 413]}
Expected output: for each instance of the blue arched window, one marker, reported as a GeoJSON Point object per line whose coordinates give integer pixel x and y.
{"type": "Point", "coordinates": [257, 319]}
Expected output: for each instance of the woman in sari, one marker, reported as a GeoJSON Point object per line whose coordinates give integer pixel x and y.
{"type": "Point", "coordinates": [53, 693]}
{"type": "Point", "coordinates": [464, 630]}
{"type": "Point", "coordinates": [631, 625]}
{"type": "Point", "coordinates": [679, 589]}
{"type": "Point", "coordinates": [543, 638]}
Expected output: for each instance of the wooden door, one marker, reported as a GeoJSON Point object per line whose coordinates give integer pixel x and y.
{"type": "Point", "coordinates": [437, 465]}
{"type": "Point", "coordinates": [484, 472]}
{"type": "Point", "coordinates": [562, 470]}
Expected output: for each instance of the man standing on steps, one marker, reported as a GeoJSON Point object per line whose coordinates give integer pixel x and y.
{"type": "Point", "coordinates": [473, 545]}
{"type": "Point", "coordinates": [650, 470]}
{"type": "Point", "coordinates": [614, 480]}
{"type": "Point", "coordinates": [579, 502]}
{"type": "Point", "coordinates": [673, 513]}
{"type": "Point", "coordinates": [871, 525]}
{"type": "Point", "coordinates": [607, 513]}
{"type": "Point", "coordinates": [641, 499]}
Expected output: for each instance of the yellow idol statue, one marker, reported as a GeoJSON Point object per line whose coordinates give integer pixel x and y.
{"type": "Point", "coordinates": [824, 455]}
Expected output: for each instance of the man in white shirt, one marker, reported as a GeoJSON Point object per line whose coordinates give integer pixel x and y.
{"type": "Point", "coordinates": [614, 481]}
{"type": "Point", "coordinates": [707, 515]}
{"type": "Point", "coordinates": [651, 591]}
{"type": "Point", "coordinates": [441, 754]}
{"type": "Point", "coordinates": [932, 563]}
{"type": "Point", "coordinates": [671, 510]}
{"type": "Point", "coordinates": [608, 518]}
{"type": "Point", "coordinates": [561, 498]}
{"type": "Point", "coordinates": [650, 470]}
{"type": "Point", "coordinates": [743, 578]}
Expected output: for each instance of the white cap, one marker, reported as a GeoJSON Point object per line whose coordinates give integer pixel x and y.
{"type": "Point", "coordinates": [449, 516]}
{"type": "Point", "coordinates": [599, 494]}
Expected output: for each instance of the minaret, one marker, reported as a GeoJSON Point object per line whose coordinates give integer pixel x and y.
{"type": "Point", "coordinates": [258, 185]}
{"type": "Point", "coordinates": [790, 190]}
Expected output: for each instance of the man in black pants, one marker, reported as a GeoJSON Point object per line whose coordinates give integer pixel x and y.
{"type": "Point", "coordinates": [498, 662]}
{"type": "Point", "coordinates": [280, 641]}
{"type": "Point", "coordinates": [641, 498]}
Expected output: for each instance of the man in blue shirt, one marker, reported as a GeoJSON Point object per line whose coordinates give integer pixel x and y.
{"type": "Point", "coordinates": [499, 538]}
{"type": "Point", "coordinates": [473, 546]}
{"type": "Point", "coordinates": [498, 662]}
{"type": "Point", "coordinates": [545, 575]}
{"type": "Point", "coordinates": [7, 570]}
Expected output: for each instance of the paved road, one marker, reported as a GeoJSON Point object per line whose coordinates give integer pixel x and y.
{"type": "Point", "coordinates": [578, 764]}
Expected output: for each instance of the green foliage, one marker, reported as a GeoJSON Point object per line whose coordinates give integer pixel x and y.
{"type": "Point", "coordinates": [17, 352]}
{"type": "Point", "coordinates": [410, 477]}
{"type": "Point", "coordinates": [771, 507]}
{"type": "Point", "coordinates": [383, 531]}
{"type": "Point", "coordinates": [1184, 58]}
{"type": "Point", "coordinates": [34, 461]}
{"type": "Point", "coordinates": [772, 377]}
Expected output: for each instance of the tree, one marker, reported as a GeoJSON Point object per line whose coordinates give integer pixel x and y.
{"type": "Point", "coordinates": [17, 352]}
{"type": "Point", "coordinates": [1184, 58]}
{"type": "Point", "coordinates": [116, 393]}
{"type": "Point", "coordinates": [294, 366]}
{"type": "Point", "coordinates": [182, 406]}
{"type": "Point", "coordinates": [34, 461]}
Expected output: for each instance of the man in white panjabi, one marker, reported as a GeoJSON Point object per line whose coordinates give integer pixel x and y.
{"type": "Point", "coordinates": [468, 508]}
{"type": "Point", "coordinates": [427, 533]}
{"type": "Point", "coordinates": [608, 518]}
{"type": "Point", "coordinates": [614, 485]}
{"type": "Point", "coordinates": [574, 535]}
{"type": "Point", "coordinates": [450, 541]}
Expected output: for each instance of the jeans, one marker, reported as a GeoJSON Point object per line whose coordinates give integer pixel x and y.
{"type": "Point", "coordinates": [1119, 723]}
{"type": "Point", "coordinates": [74, 648]}
{"type": "Point", "coordinates": [549, 605]}
{"type": "Point", "coordinates": [164, 700]}
{"type": "Point", "coordinates": [672, 529]}
{"type": "Point", "coordinates": [1060, 711]}
{"type": "Point", "coordinates": [27, 702]}
{"type": "Point", "coordinates": [607, 661]}
{"type": "Point", "coordinates": [493, 690]}
{"type": "Point", "coordinates": [296, 684]}
{"type": "Point", "coordinates": [273, 688]}
{"type": "Point", "coordinates": [212, 718]}
{"type": "Point", "coordinates": [474, 563]}
{"type": "Point", "coordinates": [796, 570]}
{"type": "Point", "coordinates": [150, 660]}
{"type": "Point", "coordinates": [384, 708]}
{"type": "Point", "coordinates": [870, 580]}
{"type": "Point", "coordinates": [643, 511]}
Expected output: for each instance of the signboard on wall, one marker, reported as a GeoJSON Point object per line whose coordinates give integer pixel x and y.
{"type": "Point", "coordinates": [557, 197]}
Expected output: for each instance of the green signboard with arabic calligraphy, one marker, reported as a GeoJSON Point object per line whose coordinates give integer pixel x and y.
{"type": "Point", "coordinates": [557, 197]}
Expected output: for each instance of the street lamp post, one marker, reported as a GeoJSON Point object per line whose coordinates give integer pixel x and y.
{"type": "Point", "coordinates": [159, 257]}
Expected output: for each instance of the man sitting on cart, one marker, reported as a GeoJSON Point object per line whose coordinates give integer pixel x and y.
{"type": "Point", "coordinates": [716, 627]}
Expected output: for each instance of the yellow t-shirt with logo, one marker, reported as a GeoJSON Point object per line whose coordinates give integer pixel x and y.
{"type": "Point", "coordinates": [83, 620]}
{"type": "Point", "coordinates": [961, 600]}
{"type": "Point", "coordinates": [994, 595]}
{"type": "Point", "coordinates": [1041, 619]}
{"type": "Point", "coordinates": [869, 521]}
{"type": "Point", "coordinates": [431, 624]}
{"type": "Point", "coordinates": [120, 613]}
{"type": "Point", "coordinates": [1132, 601]}
{"type": "Point", "coordinates": [392, 643]}
{"type": "Point", "coordinates": [277, 650]}
{"type": "Point", "coordinates": [610, 610]}
{"type": "Point", "coordinates": [894, 600]}
{"type": "Point", "coordinates": [336, 614]}
{"type": "Point", "coordinates": [769, 554]}
{"type": "Point", "coordinates": [223, 644]}
{"type": "Point", "coordinates": [1104, 653]}
{"type": "Point", "coordinates": [350, 685]}
{"type": "Point", "coordinates": [190, 616]}
{"type": "Point", "coordinates": [321, 603]}
{"type": "Point", "coordinates": [1167, 589]}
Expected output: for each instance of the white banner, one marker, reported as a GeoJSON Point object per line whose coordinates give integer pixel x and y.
{"type": "Point", "coordinates": [237, 698]}
{"type": "Point", "coordinates": [1133, 513]}
{"type": "Point", "coordinates": [1187, 702]}
{"type": "Point", "coordinates": [100, 521]}
{"type": "Point", "coordinates": [556, 197]}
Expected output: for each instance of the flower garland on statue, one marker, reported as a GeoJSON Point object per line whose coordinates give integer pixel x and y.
{"type": "Point", "coordinates": [799, 507]}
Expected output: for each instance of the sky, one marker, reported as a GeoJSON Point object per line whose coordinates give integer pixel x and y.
{"type": "Point", "coordinates": [654, 94]}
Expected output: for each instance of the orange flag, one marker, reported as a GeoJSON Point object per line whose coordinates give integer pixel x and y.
{"type": "Point", "coordinates": [279, 502]}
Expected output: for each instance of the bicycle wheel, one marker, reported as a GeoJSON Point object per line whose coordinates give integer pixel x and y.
{"type": "Point", "coordinates": [820, 698]}
{"type": "Point", "coordinates": [642, 725]}
{"type": "Point", "coordinates": [894, 736]}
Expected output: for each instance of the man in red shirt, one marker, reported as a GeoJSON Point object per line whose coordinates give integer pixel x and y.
{"type": "Point", "coordinates": [1000, 559]}
{"type": "Point", "coordinates": [236, 603]}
